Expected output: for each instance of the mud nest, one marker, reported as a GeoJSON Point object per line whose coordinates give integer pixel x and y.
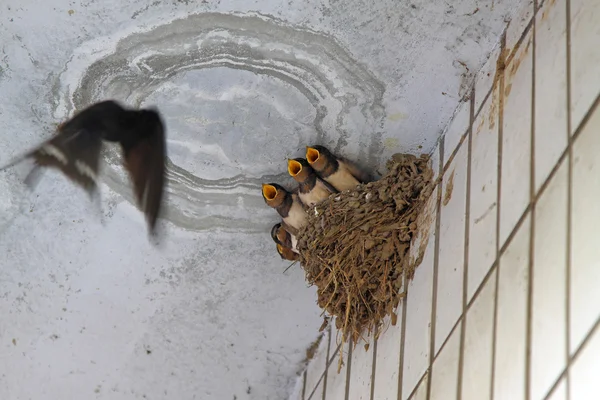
{"type": "Point", "coordinates": [355, 248]}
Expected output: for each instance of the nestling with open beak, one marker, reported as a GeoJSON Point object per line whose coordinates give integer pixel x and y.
{"type": "Point", "coordinates": [75, 151]}
{"type": "Point", "coordinates": [311, 189]}
{"type": "Point", "coordinates": [287, 204]}
{"type": "Point", "coordinates": [286, 253]}
{"type": "Point", "coordinates": [337, 171]}
{"type": "Point", "coordinates": [281, 236]}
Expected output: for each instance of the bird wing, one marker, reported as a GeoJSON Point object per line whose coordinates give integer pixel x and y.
{"type": "Point", "coordinates": [290, 229]}
{"type": "Point", "coordinates": [75, 152]}
{"type": "Point", "coordinates": [274, 231]}
{"type": "Point", "coordinates": [145, 162]}
{"type": "Point", "coordinates": [327, 185]}
{"type": "Point", "coordinates": [359, 174]}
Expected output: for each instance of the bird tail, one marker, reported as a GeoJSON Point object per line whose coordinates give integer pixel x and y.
{"type": "Point", "coordinates": [33, 177]}
{"type": "Point", "coordinates": [14, 161]}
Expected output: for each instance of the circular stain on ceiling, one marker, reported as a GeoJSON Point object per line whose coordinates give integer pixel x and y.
{"type": "Point", "coordinates": [239, 94]}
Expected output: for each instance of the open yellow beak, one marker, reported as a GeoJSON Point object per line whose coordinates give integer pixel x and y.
{"type": "Point", "coordinates": [294, 167]}
{"type": "Point", "coordinates": [286, 253]}
{"type": "Point", "coordinates": [269, 191]}
{"type": "Point", "coordinates": [312, 155]}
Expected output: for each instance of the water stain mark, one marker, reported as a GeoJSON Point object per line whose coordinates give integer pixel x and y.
{"type": "Point", "coordinates": [397, 116]}
{"type": "Point", "coordinates": [391, 143]}
{"type": "Point", "coordinates": [500, 67]}
{"type": "Point", "coordinates": [485, 213]}
{"type": "Point", "coordinates": [448, 189]}
{"type": "Point", "coordinates": [347, 98]}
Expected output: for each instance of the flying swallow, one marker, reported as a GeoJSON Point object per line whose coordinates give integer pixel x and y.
{"type": "Point", "coordinates": [75, 151]}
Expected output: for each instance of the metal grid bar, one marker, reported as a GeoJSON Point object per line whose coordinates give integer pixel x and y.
{"type": "Point", "coordinates": [530, 277]}
{"type": "Point", "coordinates": [569, 202]}
{"type": "Point", "coordinates": [462, 321]}
{"type": "Point", "coordinates": [402, 338]}
{"type": "Point", "coordinates": [348, 371]}
{"type": "Point", "coordinates": [436, 260]}
{"type": "Point", "coordinates": [499, 204]}
{"type": "Point", "coordinates": [374, 365]}
{"type": "Point", "coordinates": [303, 396]}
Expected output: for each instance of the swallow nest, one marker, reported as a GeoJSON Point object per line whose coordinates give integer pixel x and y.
{"type": "Point", "coordinates": [356, 246]}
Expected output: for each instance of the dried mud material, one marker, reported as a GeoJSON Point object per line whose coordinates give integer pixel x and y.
{"type": "Point", "coordinates": [355, 248]}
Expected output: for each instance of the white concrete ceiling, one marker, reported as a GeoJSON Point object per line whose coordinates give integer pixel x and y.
{"type": "Point", "coordinates": [93, 308]}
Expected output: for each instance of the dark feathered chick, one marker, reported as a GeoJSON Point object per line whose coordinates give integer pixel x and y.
{"type": "Point", "coordinates": [337, 171]}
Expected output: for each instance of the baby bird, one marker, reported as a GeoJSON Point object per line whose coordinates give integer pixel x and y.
{"type": "Point", "coordinates": [75, 151]}
{"type": "Point", "coordinates": [337, 171]}
{"type": "Point", "coordinates": [286, 253]}
{"type": "Point", "coordinates": [287, 204]}
{"type": "Point", "coordinates": [311, 188]}
{"type": "Point", "coordinates": [281, 236]}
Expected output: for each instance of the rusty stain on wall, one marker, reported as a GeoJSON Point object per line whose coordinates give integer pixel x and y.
{"type": "Point", "coordinates": [449, 187]}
